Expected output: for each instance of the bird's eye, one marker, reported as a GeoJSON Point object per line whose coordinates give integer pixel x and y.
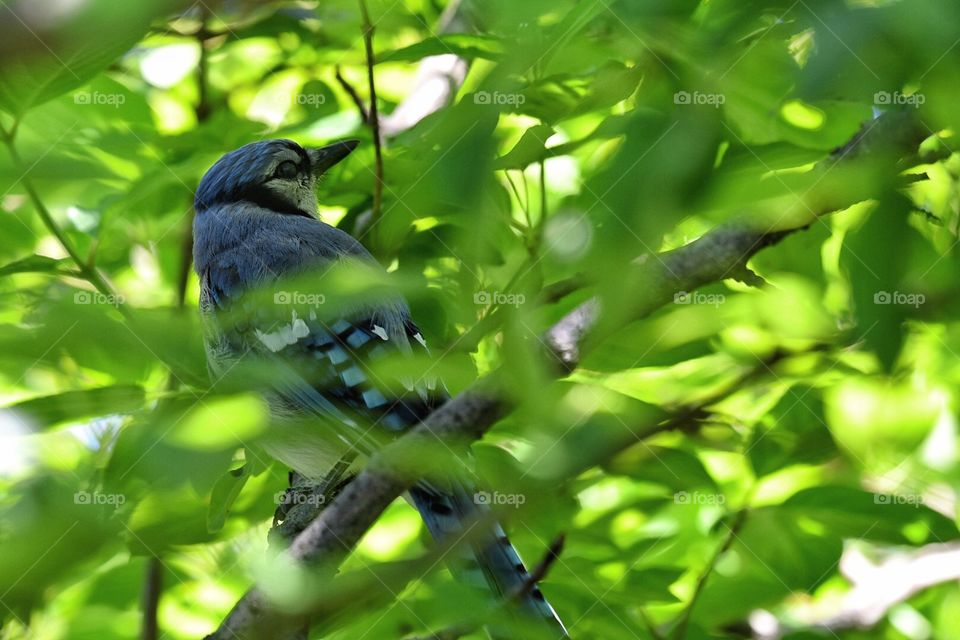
{"type": "Point", "coordinates": [287, 169]}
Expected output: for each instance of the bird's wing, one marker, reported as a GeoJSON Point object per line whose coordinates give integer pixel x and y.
{"type": "Point", "coordinates": [324, 368]}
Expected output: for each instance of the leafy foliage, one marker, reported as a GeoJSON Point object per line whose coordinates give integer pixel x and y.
{"type": "Point", "coordinates": [707, 461]}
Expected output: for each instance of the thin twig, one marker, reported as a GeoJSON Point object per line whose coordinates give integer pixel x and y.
{"type": "Point", "coordinates": [202, 113]}
{"type": "Point", "coordinates": [516, 192]}
{"type": "Point", "coordinates": [357, 100]}
{"type": "Point", "coordinates": [680, 630]}
{"type": "Point", "coordinates": [543, 195]}
{"type": "Point", "coordinates": [540, 571]}
{"type": "Point", "coordinates": [153, 587]}
{"type": "Point", "coordinates": [533, 578]}
{"type": "Point", "coordinates": [374, 117]}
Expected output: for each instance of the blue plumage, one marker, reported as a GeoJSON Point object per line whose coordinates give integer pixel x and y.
{"type": "Point", "coordinates": [256, 225]}
{"type": "Point", "coordinates": [229, 177]}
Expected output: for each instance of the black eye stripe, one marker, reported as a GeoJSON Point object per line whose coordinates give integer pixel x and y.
{"type": "Point", "coordinates": [287, 169]}
{"type": "Point", "coordinates": [304, 157]}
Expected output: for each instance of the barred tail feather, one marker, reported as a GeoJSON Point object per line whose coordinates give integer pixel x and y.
{"type": "Point", "coordinates": [494, 557]}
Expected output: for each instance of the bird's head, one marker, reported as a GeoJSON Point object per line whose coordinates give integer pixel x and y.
{"type": "Point", "coordinates": [276, 174]}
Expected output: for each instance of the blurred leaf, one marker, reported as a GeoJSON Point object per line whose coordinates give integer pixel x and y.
{"type": "Point", "coordinates": [46, 56]}
{"type": "Point", "coordinates": [876, 261]}
{"type": "Point", "coordinates": [845, 512]}
{"type": "Point", "coordinates": [221, 423]}
{"type": "Point", "coordinates": [33, 264]}
{"type": "Point", "coordinates": [529, 149]}
{"type": "Point", "coordinates": [653, 585]}
{"type": "Point", "coordinates": [796, 434]}
{"type": "Point", "coordinates": [224, 493]}
{"type": "Point", "coordinates": [673, 468]}
{"type": "Point", "coordinates": [463, 45]}
{"type": "Point", "coordinates": [73, 406]}
{"type": "Point", "coordinates": [51, 527]}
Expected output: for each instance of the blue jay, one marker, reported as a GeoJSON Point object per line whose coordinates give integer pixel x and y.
{"type": "Point", "coordinates": [256, 224]}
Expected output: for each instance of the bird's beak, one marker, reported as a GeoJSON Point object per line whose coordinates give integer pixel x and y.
{"type": "Point", "coordinates": [322, 158]}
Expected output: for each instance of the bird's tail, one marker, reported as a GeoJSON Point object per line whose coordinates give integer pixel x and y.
{"type": "Point", "coordinates": [445, 512]}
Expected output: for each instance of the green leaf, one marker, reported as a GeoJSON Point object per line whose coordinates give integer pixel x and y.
{"type": "Point", "coordinates": [73, 406]}
{"type": "Point", "coordinates": [876, 260]}
{"type": "Point", "coordinates": [846, 512]}
{"type": "Point", "coordinates": [529, 149]}
{"type": "Point", "coordinates": [167, 517]}
{"type": "Point", "coordinates": [221, 423]}
{"type": "Point", "coordinates": [42, 59]}
{"type": "Point", "coordinates": [224, 493]}
{"type": "Point", "coordinates": [562, 96]}
{"type": "Point", "coordinates": [674, 468]}
{"type": "Point", "coordinates": [770, 557]}
{"type": "Point", "coordinates": [797, 433]}
{"type": "Point", "coordinates": [463, 45]}
{"type": "Point", "coordinates": [49, 530]}
{"type": "Point", "coordinates": [653, 585]}
{"type": "Point", "coordinates": [33, 264]}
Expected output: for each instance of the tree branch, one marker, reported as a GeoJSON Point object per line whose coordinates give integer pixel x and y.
{"type": "Point", "coordinates": [373, 117]}
{"type": "Point", "coordinates": [357, 100]}
{"type": "Point", "coordinates": [467, 416]}
{"type": "Point", "coordinates": [152, 589]}
{"type": "Point", "coordinates": [876, 588]}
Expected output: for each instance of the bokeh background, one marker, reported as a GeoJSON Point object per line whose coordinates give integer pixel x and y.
{"type": "Point", "coordinates": [818, 476]}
